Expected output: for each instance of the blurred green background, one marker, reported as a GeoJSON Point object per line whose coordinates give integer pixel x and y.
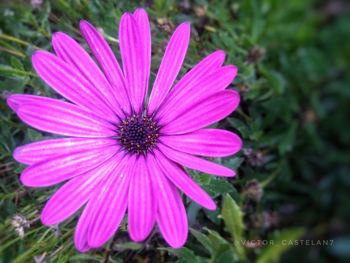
{"type": "Point", "coordinates": [293, 173]}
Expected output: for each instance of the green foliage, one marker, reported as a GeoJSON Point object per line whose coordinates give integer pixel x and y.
{"type": "Point", "coordinates": [279, 245]}
{"type": "Point", "coordinates": [293, 173]}
{"type": "Point", "coordinates": [233, 218]}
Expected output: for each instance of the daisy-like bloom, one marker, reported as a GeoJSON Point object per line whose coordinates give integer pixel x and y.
{"type": "Point", "coordinates": [120, 154]}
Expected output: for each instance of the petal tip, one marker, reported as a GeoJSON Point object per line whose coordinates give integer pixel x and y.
{"type": "Point", "coordinates": [211, 206]}
{"type": "Point", "coordinates": [11, 102]}
{"type": "Point", "coordinates": [82, 248]}
{"type": "Point", "coordinates": [177, 243]}
{"type": "Point", "coordinates": [44, 219]}
{"type": "Point", "coordinates": [40, 57]}
{"type": "Point", "coordinates": [17, 154]}
{"type": "Point", "coordinates": [185, 26]}
{"type": "Point", "coordinates": [220, 53]}
{"type": "Point", "coordinates": [84, 23]}
{"type": "Point", "coordinates": [96, 243]}
{"type": "Point", "coordinates": [25, 180]}
{"type": "Point", "coordinates": [140, 10]}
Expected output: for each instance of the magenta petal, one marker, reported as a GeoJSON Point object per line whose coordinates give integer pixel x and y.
{"type": "Point", "coordinates": [204, 113]}
{"type": "Point", "coordinates": [170, 66]}
{"type": "Point", "coordinates": [74, 194]}
{"type": "Point", "coordinates": [64, 167]}
{"type": "Point", "coordinates": [63, 118]}
{"type": "Point", "coordinates": [195, 163]}
{"type": "Point", "coordinates": [179, 177]}
{"type": "Point", "coordinates": [108, 62]}
{"type": "Point", "coordinates": [141, 202]}
{"type": "Point", "coordinates": [66, 80]}
{"type": "Point", "coordinates": [132, 51]}
{"type": "Point", "coordinates": [81, 231]}
{"type": "Point", "coordinates": [108, 206]}
{"type": "Point", "coordinates": [70, 51]}
{"type": "Point", "coordinates": [171, 213]}
{"type": "Point", "coordinates": [16, 100]}
{"type": "Point", "coordinates": [203, 89]}
{"type": "Point", "coordinates": [205, 142]}
{"type": "Point", "coordinates": [143, 24]}
{"type": "Point", "coordinates": [192, 79]}
{"type": "Point", "coordinates": [46, 149]}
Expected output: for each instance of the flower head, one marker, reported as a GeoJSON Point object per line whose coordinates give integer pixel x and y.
{"type": "Point", "coordinates": [118, 153]}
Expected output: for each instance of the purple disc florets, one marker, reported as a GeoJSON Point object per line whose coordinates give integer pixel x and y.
{"type": "Point", "coordinates": [138, 134]}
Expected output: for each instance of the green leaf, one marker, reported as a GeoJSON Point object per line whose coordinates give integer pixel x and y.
{"type": "Point", "coordinates": [16, 63]}
{"type": "Point", "coordinates": [288, 139]}
{"type": "Point", "coordinates": [233, 218]}
{"type": "Point", "coordinates": [184, 254]}
{"type": "Point", "coordinates": [203, 239]}
{"type": "Point", "coordinates": [240, 126]}
{"type": "Point", "coordinates": [219, 186]}
{"type": "Point", "coordinates": [222, 249]}
{"type": "Point", "coordinates": [281, 243]}
{"type": "Point", "coordinates": [129, 245]}
{"type": "Point", "coordinates": [218, 243]}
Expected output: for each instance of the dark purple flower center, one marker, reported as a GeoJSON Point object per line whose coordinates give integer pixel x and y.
{"type": "Point", "coordinates": [138, 134]}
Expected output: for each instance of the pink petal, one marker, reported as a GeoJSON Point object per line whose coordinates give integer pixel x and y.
{"type": "Point", "coordinates": [81, 231]}
{"type": "Point", "coordinates": [63, 118]}
{"type": "Point", "coordinates": [205, 142]}
{"type": "Point", "coordinates": [108, 62]}
{"type": "Point", "coordinates": [204, 68]}
{"type": "Point", "coordinates": [47, 149]}
{"type": "Point", "coordinates": [67, 81]}
{"type": "Point", "coordinates": [16, 100]}
{"type": "Point", "coordinates": [64, 167]}
{"type": "Point", "coordinates": [179, 177]}
{"type": "Point", "coordinates": [170, 66]}
{"type": "Point", "coordinates": [109, 205]}
{"type": "Point", "coordinates": [134, 66]}
{"type": "Point", "coordinates": [74, 194]}
{"type": "Point", "coordinates": [195, 163]}
{"type": "Point", "coordinates": [143, 24]}
{"type": "Point", "coordinates": [204, 88]}
{"type": "Point", "coordinates": [70, 51]}
{"type": "Point", "coordinates": [204, 113]}
{"type": "Point", "coordinates": [171, 215]}
{"type": "Point", "coordinates": [141, 202]}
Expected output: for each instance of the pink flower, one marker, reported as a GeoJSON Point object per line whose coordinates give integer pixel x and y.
{"type": "Point", "coordinates": [119, 154]}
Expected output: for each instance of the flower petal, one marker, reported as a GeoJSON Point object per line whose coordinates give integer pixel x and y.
{"type": "Point", "coordinates": [68, 82]}
{"type": "Point", "coordinates": [64, 167]}
{"type": "Point", "coordinates": [204, 88]}
{"type": "Point", "coordinates": [74, 194]}
{"type": "Point", "coordinates": [204, 113]}
{"type": "Point", "coordinates": [191, 79]}
{"type": "Point", "coordinates": [14, 101]}
{"type": "Point", "coordinates": [170, 66]}
{"type": "Point", "coordinates": [81, 231]}
{"type": "Point", "coordinates": [179, 177]}
{"type": "Point", "coordinates": [63, 118]}
{"type": "Point", "coordinates": [109, 205]}
{"type": "Point", "coordinates": [106, 58]}
{"type": "Point", "coordinates": [141, 202]}
{"type": "Point", "coordinates": [195, 163]}
{"type": "Point", "coordinates": [205, 142]}
{"type": "Point", "coordinates": [71, 52]}
{"type": "Point", "coordinates": [46, 149]}
{"type": "Point", "coordinates": [134, 67]}
{"type": "Point", "coordinates": [171, 213]}
{"type": "Point", "coordinates": [143, 24]}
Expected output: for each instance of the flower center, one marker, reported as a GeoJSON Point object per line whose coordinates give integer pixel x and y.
{"type": "Point", "coordinates": [138, 134]}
